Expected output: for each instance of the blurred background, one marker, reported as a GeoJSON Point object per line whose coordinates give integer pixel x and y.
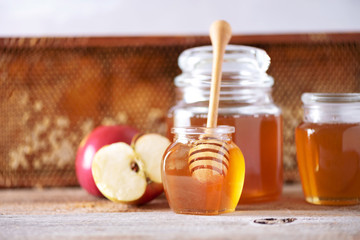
{"type": "Point", "coordinates": [69, 66]}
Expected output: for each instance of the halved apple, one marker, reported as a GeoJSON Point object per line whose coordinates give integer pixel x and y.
{"type": "Point", "coordinates": [131, 175]}
{"type": "Point", "coordinates": [98, 138]}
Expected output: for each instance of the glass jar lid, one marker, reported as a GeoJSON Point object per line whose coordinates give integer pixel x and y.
{"type": "Point", "coordinates": [200, 58]}
{"type": "Point", "coordinates": [242, 66]}
{"type": "Point", "coordinates": [331, 98]}
{"type": "Point", "coordinates": [331, 107]}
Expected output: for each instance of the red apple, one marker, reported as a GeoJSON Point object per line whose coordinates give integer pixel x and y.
{"type": "Point", "coordinates": [131, 174]}
{"type": "Point", "coordinates": [98, 138]}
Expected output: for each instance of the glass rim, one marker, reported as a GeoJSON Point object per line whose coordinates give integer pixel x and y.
{"type": "Point", "coordinates": [229, 48]}
{"type": "Point", "coordinates": [330, 98]}
{"type": "Point", "coordinates": [222, 129]}
{"type": "Point", "coordinates": [197, 54]}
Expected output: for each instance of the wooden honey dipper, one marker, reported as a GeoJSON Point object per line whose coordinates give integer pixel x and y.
{"type": "Point", "coordinates": [209, 157]}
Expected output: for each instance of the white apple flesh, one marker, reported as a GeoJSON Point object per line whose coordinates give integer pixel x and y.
{"type": "Point", "coordinates": [114, 174]}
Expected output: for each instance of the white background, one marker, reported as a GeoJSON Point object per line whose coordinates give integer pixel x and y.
{"type": "Point", "coordinates": [174, 17]}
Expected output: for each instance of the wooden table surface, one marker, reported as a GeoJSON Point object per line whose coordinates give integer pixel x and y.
{"type": "Point", "coordinates": [70, 213]}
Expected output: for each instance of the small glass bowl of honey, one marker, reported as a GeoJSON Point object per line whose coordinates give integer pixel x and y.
{"type": "Point", "coordinates": [328, 148]}
{"type": "Point", "coordinates": [203, 171]}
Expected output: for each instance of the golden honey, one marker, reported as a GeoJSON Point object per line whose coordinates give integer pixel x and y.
{"type": "Point", "coordinates": [329, 162]}
{"type": "Point", "coordinates": [188, 195]}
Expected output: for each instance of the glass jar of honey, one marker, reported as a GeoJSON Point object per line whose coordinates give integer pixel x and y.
{"type": "Point", "coordinates": [245, 103]}
{"type": "Point", "coordinates": [203, 171]}
{"type": "Point", "coordinates": [328, 148]}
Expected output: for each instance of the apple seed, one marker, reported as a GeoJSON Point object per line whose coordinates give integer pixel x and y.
{"type": "Point", "coordinates": [135, 167]}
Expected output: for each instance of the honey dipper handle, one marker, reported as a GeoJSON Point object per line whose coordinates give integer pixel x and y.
{"type": "Point", "coordinates": [220, 34]}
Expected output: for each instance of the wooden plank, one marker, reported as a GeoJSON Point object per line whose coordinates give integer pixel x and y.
{"type": "Point", "coordinates": [71, 213]}
{"type": "Point", "coordinates": [116, 41]}
{"type": "Point", "coordinates": [152, 225]}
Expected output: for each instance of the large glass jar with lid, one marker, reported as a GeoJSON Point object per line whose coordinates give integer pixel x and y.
{"type": "Point", "coordinates": [245, 103]}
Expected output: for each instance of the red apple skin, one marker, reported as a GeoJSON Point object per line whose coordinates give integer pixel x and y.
{"type": "Point", "coordinates": [153, 190]}
{"type": "Point", "coordinates": [99, 137]}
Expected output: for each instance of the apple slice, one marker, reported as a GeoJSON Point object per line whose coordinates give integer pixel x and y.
{"type": "Point", "coordinates": [131, 175]}
{"type": "Point", "coordinates": [98, 138]}
{"type": "Point", "coordinates": [118, 174]}
{"type": "Point", "coordinates": [151, 148]}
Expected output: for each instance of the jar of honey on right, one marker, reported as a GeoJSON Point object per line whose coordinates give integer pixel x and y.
{"type": "Point", "coordinates": [328, 148]}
